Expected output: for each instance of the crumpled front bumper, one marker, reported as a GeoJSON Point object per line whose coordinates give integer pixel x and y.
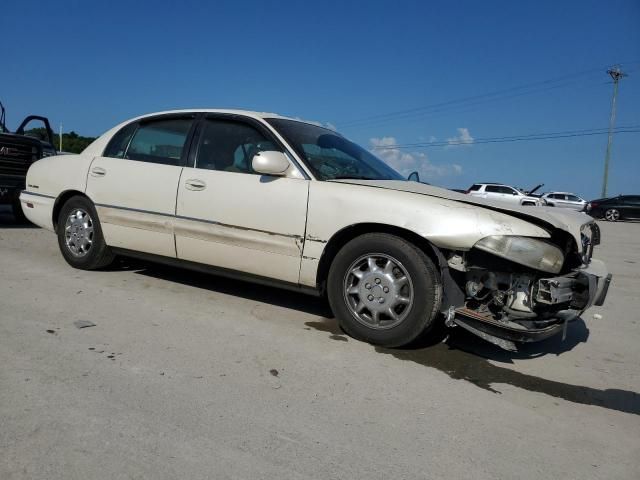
{"type": "Point", "coordinates": [593, 281]}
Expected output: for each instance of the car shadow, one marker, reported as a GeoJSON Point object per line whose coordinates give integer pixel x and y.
{"type": "Point", "coordinates": [7, 220]}
{"type": "Point", "coordinates": [238, 288]}
{"type": "Point", "coordinates": [455, 352]}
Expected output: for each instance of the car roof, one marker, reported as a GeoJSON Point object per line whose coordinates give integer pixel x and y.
{"type": "Point", "coordinates": [232, 111]}
{"type": "Point", "coordinates": [97, 147]}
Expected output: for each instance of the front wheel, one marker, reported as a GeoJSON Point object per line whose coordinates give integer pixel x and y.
{"type": "Point", "coordinates": [612, 215]}
{"type": "Point", "coordinates": [384, 290]}
{"type": "Point", "coordinates": [80, 236]}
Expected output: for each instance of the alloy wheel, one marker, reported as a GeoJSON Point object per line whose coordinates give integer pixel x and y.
{"type": "Point", "coordinates": [78, 232]}
{"type": "Point", "coordinates": [612, 215]}
{"type": "Point", "coordinates": [378, 291]}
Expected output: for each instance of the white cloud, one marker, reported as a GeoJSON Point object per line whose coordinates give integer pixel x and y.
{"type": "Point", "coordinates": [463, 138]}
{"type": "Point", "coordinates": [407, 162]}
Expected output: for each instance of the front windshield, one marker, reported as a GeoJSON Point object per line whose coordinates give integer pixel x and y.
{"type": "Point", "coordinates": [329, 155]}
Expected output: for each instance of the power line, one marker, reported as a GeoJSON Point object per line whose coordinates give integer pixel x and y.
{"type": "Point", "coordinates": [461, 108]}
{"type": "Point", "coordinates": [526, 89]}
{"type": "Point", "coordinates": [514, 138]}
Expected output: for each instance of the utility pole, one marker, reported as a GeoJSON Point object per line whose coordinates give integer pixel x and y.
{"type": "Point", "coordinates": [616, 74]}
{"type": "Point", "coordinates": [60, 133]}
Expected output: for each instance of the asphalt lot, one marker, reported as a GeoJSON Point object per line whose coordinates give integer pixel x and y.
{"type": "Point", "coordinates": [192, 376]}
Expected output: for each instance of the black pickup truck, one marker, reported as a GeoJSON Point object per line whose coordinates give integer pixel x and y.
{"type": "Point", "coordinates": [18, 150]}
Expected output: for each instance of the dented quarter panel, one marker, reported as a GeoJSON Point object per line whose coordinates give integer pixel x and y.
{"type": "Point", "coordinates": [446, 223]}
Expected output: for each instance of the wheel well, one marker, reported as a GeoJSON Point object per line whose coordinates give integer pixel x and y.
{"type": "Point", "coordinates": [60, 201]}
{"type": "Point", "coordinates": [347, 234]}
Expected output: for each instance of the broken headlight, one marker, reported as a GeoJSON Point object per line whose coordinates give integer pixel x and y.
{"type": "Point", "coordinates": [531, 252]}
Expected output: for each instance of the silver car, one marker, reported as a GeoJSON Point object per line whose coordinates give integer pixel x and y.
{"type": "Point", "coordinates": [565, 200]}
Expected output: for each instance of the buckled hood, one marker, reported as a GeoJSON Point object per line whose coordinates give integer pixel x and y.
{"type": "Point", "coordinates": [549, 217]}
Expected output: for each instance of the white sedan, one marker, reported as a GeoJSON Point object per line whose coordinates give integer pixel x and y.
{"type": "Point", "coordinates": [278, 200]}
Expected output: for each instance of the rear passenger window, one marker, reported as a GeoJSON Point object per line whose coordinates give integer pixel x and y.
{"type": "Point", "coordinates": [118, 143]}
{"type": "Point", "coordinates": [493, 189]}
{"type": "Point", "coordinates": [160, 141]}
{"type": "Point", "coordinates": [229, 146]}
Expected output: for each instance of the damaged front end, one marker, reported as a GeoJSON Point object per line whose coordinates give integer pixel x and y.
{"type": "Point", "coordinates": [515, 289]}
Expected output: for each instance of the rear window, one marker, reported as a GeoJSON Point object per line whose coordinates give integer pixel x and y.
{"type": "Point", "coordinates": [160, 141]}
{"type": "Point", "coordinates": [474, 188]}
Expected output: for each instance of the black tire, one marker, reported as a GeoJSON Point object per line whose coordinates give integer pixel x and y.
{"type": "Point", "coordinates": [98, 255]}
{"type": "Point", "coordinates": [425, 280]}
{"type": "Point", "coordinates": [18, 214]}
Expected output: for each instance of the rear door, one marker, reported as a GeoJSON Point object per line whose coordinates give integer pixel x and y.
{"type": "Point", "coordinates": [574, 202]}
{"type": "Point", "coordinates": [228, 215]}
{"type": "Point", "coordinates": [494, 192]}
{"type": "Point", "coordinates": [630, 206]}
{"type": "Point", "coordinates": [560, 200]}
{"type": "Point", "coordinates": [134, 183]}
{"type": "Point", "coordinates": [502, 193]}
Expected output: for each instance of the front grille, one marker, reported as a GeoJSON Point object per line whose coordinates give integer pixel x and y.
{"type": "Point", "coordinates": [16, 157]}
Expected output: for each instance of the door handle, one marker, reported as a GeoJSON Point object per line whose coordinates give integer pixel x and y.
{"type": "Point", "coordinates": [195, 184]}
{"type": "Point", "coordinates": [98, 172]}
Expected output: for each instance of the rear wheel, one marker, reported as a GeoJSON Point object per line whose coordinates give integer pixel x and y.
{"type": "Point", "coordinates": [612, 215]}
{"type": "Point", "coordinates": [80, 236]}
{"type": "Point", "coordinates": [384, 290]}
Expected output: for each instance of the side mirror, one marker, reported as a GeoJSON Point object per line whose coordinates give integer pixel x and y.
{"type": "Point", "coordinates": [414, 177]}
{"type": "Point", "coordinates": [270, 162]}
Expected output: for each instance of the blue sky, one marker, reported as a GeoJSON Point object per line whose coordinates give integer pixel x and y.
{"type": "Point", "coordinates": [91, 65]}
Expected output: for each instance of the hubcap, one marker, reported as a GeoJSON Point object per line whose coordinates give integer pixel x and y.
{"type": "Point", "coordinates": [378, 291]}
{"type": "Point", "coordinates": [78, 232]}
{"type": "Point", "coordinates": [612, 214]}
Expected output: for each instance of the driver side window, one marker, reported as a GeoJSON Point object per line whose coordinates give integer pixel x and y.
{"type": "Point", "coordinates": [230, 146]}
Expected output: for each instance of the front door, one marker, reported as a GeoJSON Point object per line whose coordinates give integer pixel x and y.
{"type": "Point", "coordinates": [134, 184]}
{"type": "Point", "coordinates": [231, 217]}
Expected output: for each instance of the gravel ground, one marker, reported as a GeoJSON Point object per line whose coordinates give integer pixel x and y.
{"type": "Point", "coordinates": [191, 376]}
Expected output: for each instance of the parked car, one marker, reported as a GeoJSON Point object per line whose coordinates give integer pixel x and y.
{"type": "Point", "coordinates": [282, 201]}
{"type": "Point", "coordinates": [17, 152]}
{"type": "Point", "coordinates": [622, 207]}
{"type": "Point", "coordinates": [503, 193]}
{"type": "Point", "coordinates": [565, 200]}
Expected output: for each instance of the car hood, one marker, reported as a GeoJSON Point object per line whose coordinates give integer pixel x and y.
{"type": "Point", "coordinates": [549, 217]}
